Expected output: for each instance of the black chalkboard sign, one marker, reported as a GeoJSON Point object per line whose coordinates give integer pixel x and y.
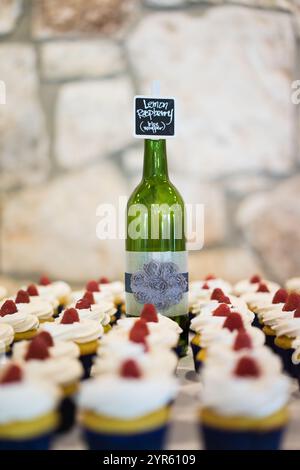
{"type": "Point", "coordinates": [154, 117]}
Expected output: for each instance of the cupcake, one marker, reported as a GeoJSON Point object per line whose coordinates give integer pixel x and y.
{"type": "Point", "coordinates": [6, 338]}
{"type": "Point", "coordinates": [149, 334]}
{"type": "Point", "coordinates": [56, 363]}
{"type": "Point", "coordinates": [157, 360]}
{"type": "Point", "coordinates": [222, 330]}
{"type": "Point", "coordinates": [58, 289]}
{"type": "Point", "coordinates": [28, 414]}
{"type": "Point", "coordinates": [85, 333]}
{"type": "Point", "coordinates": [293, 285]}
{"type": "Point", "coordinates": [100, 312]}
{"type": "Point", "coordinates": [201, 291]}
{"type": "Point", "coordinates": [117, 290]}
{"type": "Point", "coordinates": [262, 296]}
{"type": "Point", "coordinates": [126, 411]}
{"type": "Point", "coordinates": [41, 309]}
{"type": "Point", "coordinates": [287, 330]}
{"type": "Point", "coordinates": [252, 284]}
{"type": "Point", "coordinates": [250, 413]}
{"type": "Point", "coordinates": [36, 295]}
{"type": "Point", "coordinates": [24, 324]}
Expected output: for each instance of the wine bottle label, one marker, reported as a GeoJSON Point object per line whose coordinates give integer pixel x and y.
{"type": "Point", "coordinates": [159, 278]}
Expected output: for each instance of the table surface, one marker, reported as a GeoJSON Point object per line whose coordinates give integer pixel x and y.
{"type": "Point", "coordinates": [183, 432]}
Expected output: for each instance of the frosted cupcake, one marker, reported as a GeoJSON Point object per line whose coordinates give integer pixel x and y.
{"type": "Point", "coordinates": [201, 291]}
{"type": "Point", "coordinates": [100, 312]}
{"type": "Point", "coordinates": [6, 338]}
{"type": "Point", "coordinates": [117, 290]}
{"type": "Point", "coordinates": [262, 296]}
{"type": "Point", "coordinates": [36, 296]}
{"type": "Point", "coordinates": [24, 324]}
{"type": "Point", "coordinates": [151, 361]}
{"type": "Point", "coordinates": [58, 289]}
{"type": "Point", "coordinates": [93, 287]}
{"type": "Point", "coordinates": [42, 309]}
{"type": "Point", "coordinates": [141, 332]}
{"type": "Point", "coordinates": [85, 333]}
{"type": "Point", "coordinates": [226, 354]}
{"type": "Point", "coordinates": [222, 331]}
{"type": "Point", "coordinates": [251, 285]}
{"type": "Point", "coordinates": [293, 285]}
{"type": "Point", "coordinates": [28, 414]}
{"type": "Point", "coordinates": [282, 306]}
{"type": "Point", "coordinates": [127, 411]}
{"type": "Point", "coordinates": [250, 413]}
{"type": "Point", "coordinates": [56, 363]}
{"type": "Point", "coordinates": [287, 330]}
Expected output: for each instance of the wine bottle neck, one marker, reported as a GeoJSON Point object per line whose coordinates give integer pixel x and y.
{"type": "Point", "coordinates": [155, 159]}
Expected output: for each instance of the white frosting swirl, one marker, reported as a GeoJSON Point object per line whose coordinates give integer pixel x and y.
{"type": "Point", "coordinates": [79, 332]}
{"type": "Point", "coordinates": [155, 362]}
{"type": "Point", "coordinates": [116, 289]}
{"type": "Point", "coordinates": [212, 335]}
{"type": "Point", "coordinates": [118, 397]}
{"type": "Point", "coordinates": [21, 321]}
{"type": "Point", "coordinates": [98, 296]}
{"type": "Point", "coordinates": [26, 400]}
{"type": "Point", "coordinates": [245, 286]}
{"type": "Point", "coordinates": [157, 337]}
{"type": "Point", "coordinates": [206, 317]}
{"type": "Point", "coordinates": [101, 312]}
{"type": "Point", "coordinates": [296, 353]}
{"type": "Point", "coordinates": [272, 315]}
{"type": "Point", "coordinates": [163, 322]}
{"type": "Point", "coordinates": [42, 309]}
{"type": "Point", "coordinates": [59, 289]}
{"type": "Point", "coordinates": [60, 350]}
{"type": "Point", "coordinates": [60, 372]}
{"type": "Point", "coordinates": [255, 300]}
{"type": "Point", "coordinates": [196, 292]}
{"type": "Point", "coordinates": [230, 395]}
{"type": "Point", "coordinates": [287, 327]}
{"type": "Point", "coordinates": [6, 336]}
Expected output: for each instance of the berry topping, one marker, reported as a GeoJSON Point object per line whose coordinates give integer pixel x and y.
{"type": "Point", "coordinates": [45, 281]}
{"type": "Point", "coordinates": [280, 297]}
{"type": "Point", "coordinates": [292, 303]}
{"type": "Point", "coordinates": [82, 304]}
{"type": "Point", "coordinates": [139, 331]}
{"type": "Point", "coordinates": [234, 322]}
{"type": "Point", "coordinates": [37, 349]}
{"type": "Point", "coordinates": [255, 279]}
{"type": "Point", "coordinates": [89, 296]}
{"type": "Point", "coordinates": [221, 311]}
{"type": "Point", "coordinates": [262, 287]}
{"type": "Point", "coordinates": [70, 316]}
{"type": "Point", "coordinates": [8, 308]}
{"type": "Point", "coordinates": [46, 337]}
{"type": "Point", "coordinates": [130, 370]}
{"type": "Point", "coordinates": [92, 286]}
{"type": "Point", "coordinates": [247, 367]}
{"type": "Point", "coordinates": [297, 313]}
{"type": "Point", "coordinates": [205, 286]}
{"type": "Point", "coordinates": [210, 277]}
{"type": "Point", "coordinates": [13, 373]}
{"type": "Point", "coordinates": [242, 341]}
{"type": "Point", "coordinates": [32, 290]}
{"type": "Point", "coordinates": [224, 299]}
{"type": "Point", "coordinates": [22, 297]}
{"type": "Point", "coordinates": [217, 294]}
{"type": "Point", "coordinates": [103, 280]}
{"type": "Point", "coordinates": [149, 313]}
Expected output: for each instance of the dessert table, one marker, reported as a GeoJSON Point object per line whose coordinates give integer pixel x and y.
{"type": "Point", "coordinates": [184, 427]}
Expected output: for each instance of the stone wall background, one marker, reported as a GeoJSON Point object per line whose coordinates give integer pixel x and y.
{"type": "Point", "coordinates": [71, 68]}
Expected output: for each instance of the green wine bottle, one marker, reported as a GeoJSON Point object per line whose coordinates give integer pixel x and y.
{"type": "Point", "coordinates": [156, 256]}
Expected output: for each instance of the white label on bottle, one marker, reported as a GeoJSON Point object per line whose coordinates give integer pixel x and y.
{"type": "Point", "coordinates": [159, 278]}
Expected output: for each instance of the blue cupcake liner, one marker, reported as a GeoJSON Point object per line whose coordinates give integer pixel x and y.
{"type": "Point", "coordinates": [67, 411]}
{"type": "Point", "coordinates": [37, 443]}
{"type": "Point", "coordinates": [148, 440]}
{"type": "Point", "coordinates": [87, 362]}
{"type": "Point", "coordinates": [286, 357]}
{"type": "Point", "coordinates": [195, 350]}
{"type": "Point", "coordinates": [219, 439]}
{"type": "Point", "coordinates": [256, 322]}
